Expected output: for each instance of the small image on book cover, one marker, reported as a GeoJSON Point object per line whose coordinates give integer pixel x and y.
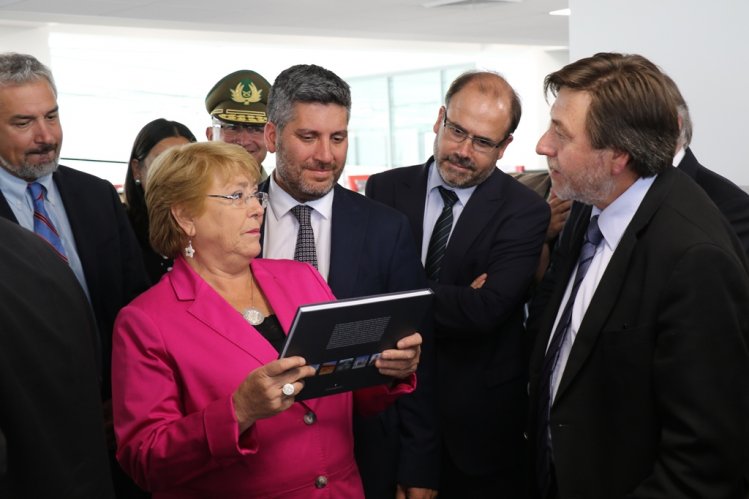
{"type": "Point", "coordinates": [344, 364]}
{"type": "Point", "coordinates": [327, 368]}
{"type": "Point", "coordinates": [361, 361]}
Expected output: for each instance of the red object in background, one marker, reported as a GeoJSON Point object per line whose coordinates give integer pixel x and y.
{"type": "Point", "coordinates": [357, 182]}
{"type": "Point", "coordinates": [520, 169]}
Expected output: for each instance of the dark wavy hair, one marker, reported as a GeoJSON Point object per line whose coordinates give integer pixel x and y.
{"type": "Point", "coordinates": [150, 135]}
{"type": "Point", "coordinates": [631, 107]}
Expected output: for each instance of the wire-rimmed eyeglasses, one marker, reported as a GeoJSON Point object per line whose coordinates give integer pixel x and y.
{"type": "Point", "coordinates": [456, 134]}
{"type": "Point", "coordinates": [240, 199]}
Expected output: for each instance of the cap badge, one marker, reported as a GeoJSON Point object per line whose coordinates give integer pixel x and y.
{"type": "Point", "coordinates": [246, 93]}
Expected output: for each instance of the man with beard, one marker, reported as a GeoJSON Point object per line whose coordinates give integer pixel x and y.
{"type": "Point", "coordinates": [640, 373]}
{"type": "Point", "coordinates": [360, 247]}
{"type": "Point", "coordinates": [80, 216]}
{"type": "Point", "coordinates": [480, 234]}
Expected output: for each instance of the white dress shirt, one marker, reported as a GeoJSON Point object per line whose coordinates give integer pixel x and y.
{"type": "Point", "coordinates": [612, 221]}
{"type": "Point", "coordinates": [434, 204]}
{"type": "Point", "coordinates": [282, 227]}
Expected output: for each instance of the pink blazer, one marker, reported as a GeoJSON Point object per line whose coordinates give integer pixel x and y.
{"type": "Point", "coordinates": [180, 351]}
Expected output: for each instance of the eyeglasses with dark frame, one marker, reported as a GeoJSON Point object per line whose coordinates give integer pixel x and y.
{"type": "Point", "coordinates": [239, 199]}
{"type": "Point", "coordinates": [458, 135]}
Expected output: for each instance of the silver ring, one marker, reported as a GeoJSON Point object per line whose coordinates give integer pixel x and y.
{"type": "Point", "coordinates": [288, 389]}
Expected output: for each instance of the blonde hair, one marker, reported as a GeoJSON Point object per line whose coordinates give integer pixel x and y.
{"type": "Point", "coordinates": [181, 176]}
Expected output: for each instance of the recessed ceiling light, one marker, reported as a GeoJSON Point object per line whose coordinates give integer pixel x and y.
{"type": "Point", "coordinates": [560, 12]}
{"type": "Point", "coordinates": [445, 3]}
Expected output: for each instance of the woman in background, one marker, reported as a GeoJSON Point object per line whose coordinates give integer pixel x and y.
{"type": "Point", "coordinates": [153, 139]}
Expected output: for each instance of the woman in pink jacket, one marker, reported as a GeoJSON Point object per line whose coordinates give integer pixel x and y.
{"type": "Point", "coordinates": [203, 407]}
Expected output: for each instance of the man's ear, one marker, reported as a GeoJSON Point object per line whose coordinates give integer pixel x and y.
{"type": "Point", "coordinates": [184, 219]}
{"type": "Point", "coordinates": [270, 134]}
{"type": "Point", "coordinates": [503, 147]}
{"type": "Point", "coordinates": [209, 133]}
{"type": "Point", "coordinates": [619, 161]}
{"type": "Point", "coordinates": [440, 119]}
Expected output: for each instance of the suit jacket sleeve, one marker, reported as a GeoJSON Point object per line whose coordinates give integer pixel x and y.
{"type": "Point", "coordinates": [510, 262]}
{"type": "Point", "coordinates": [701, 378]}
{"type": "Point", "coordinates": [160, 445]}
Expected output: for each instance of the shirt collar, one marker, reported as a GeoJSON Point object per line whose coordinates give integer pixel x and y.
{"type": "Point", "coordinates": [434, 180]}
{"type": "Point", "coordinates": [679, 156]}
{"type": "Point", "coordinates": [281, 201]}
{"type": "Point", "coordinates": [15, 187]}
{"type": "Point", "coordinates": [613, 220]}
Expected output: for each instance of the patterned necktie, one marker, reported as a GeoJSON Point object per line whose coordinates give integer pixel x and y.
{"type": "Point", "coordinates": [440, 234]}
{"type": "Point", "coordinates": [42, 223]}
{"type": "Point", "coordinates": [593, 238]}
{"type": "Point", "coordinates": [305, 239]}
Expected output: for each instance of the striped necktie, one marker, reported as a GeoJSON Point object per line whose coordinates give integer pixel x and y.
{"type": "Point", "coordinates": [43, 225]}
{"type": "Point", "coordinates": [440, 234]}
{"type": "Point", "coordinates": [305, 240]}
{"type": "Point", "coordinates": [593, 238]}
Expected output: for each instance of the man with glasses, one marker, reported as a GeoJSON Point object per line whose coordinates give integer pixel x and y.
{"type": "Point", "coordinates": [237, 105]}
{"type": "Point", "coordinates": [480, 234]}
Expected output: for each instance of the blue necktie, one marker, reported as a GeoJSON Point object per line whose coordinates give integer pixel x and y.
{"type": "Point", "coordinates": [593, 238]}
{"type": "Point", "coordinates": [440, 234]}
{"type": "Point", "coordinates": [305, 240]}
{"type": "Point", "coordinates": [43, 225]}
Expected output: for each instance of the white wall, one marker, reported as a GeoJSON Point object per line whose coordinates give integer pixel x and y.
{"type": "Point", "coordinates": [702, 45]}
{"type": "Point", "coordinates": [113, 80]}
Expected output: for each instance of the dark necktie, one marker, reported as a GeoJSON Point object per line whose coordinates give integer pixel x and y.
{"type": "Point", "coordinates": [593, 238]}
{"type": "Point", "coordinates": [43, 225]}
{"type": "Point", "coordinates": [305, 239]}
{"type": "Point", "coordinates": [440, 234]}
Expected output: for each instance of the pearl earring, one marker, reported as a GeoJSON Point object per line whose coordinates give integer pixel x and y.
{"type": "Point", "coordinates": [189, 251]}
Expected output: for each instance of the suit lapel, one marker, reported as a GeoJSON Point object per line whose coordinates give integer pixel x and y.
{"type": "Point", "coordinates": [347, 238]}
{"type": "Point", "coordinates": [612, 282]}
{"type": "Point", "coordinates": [481, 208]}
{"type": "Point", "coordinates": [215, 313]}
{"type": "Point", "coordinates": [570, 244]}
{"type": "Point", "coordinates": [77, 217]}
{"type": "Point", "coordinates": [410, 197]}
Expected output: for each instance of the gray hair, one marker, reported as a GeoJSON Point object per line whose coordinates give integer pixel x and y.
{"type": "Point", "coordinates": [18, 69]}
{"type": "Point", "coordinates": [685, 131]}
{"type": "Point", "coordinates": [305, 83]}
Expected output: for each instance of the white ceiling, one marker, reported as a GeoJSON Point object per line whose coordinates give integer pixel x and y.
{"type": "Point", "coordinates": [524, 22]}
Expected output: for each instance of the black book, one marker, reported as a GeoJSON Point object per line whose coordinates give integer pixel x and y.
{"type": "Point", "coordinates": [342, 339]}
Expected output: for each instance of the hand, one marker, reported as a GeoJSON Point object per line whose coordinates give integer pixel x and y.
{"type": "Point", "coordinates": [559, 211]}
{"type": "Point", "coordinates": [401, 361]}
{"type": "Point", "coordinates": [414, 493]}
{"type": "Point", "coordinates": [260, 396]}
{"type": "Point", "coordinates": [479, 281]}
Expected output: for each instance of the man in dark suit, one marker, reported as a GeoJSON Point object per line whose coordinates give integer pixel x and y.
{"type": "Point", "coordinates": [360, 247]}
{"type": "Point", "coordinates": [50, 413]}
{"type": "Point", "coordinates": [497, 229]}
{"type": "Point", "coordinates": [730, 199]}
{"type": "Point", "coordinates": [79, 215]}
{"type": "Point", "coordinates": [640, 373]}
